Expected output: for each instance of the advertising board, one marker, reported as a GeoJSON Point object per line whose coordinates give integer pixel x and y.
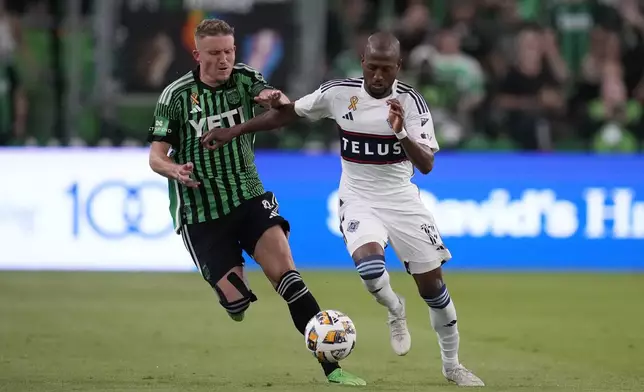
{"type": "Point", "coordinates": [104, 209]}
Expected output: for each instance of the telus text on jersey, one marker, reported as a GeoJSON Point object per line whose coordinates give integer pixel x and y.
{"type": "Point", "coordinates": [371, 149]}
{"type": "Point", "coordinates": [366, 148]}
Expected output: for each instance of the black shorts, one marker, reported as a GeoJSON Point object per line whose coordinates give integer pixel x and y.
{"type": "Point", "coordinates": [216, 246]}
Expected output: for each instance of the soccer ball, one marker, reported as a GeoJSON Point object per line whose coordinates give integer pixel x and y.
{"type": "Point", "coordinates": [330, 336]}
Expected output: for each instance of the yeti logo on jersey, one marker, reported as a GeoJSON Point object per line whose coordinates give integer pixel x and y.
{"type": "Point", "coordinates": [431, 232]}
{"type": "Point", "coordinates": [232, 117]}
{"type": "Point", "coordinates": [353, 226]}
{"type": "Point", "coordinates": [371, 149]}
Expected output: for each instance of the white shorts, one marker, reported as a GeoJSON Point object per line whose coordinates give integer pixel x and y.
{"type": "Point", "coordinates": [409, 227]}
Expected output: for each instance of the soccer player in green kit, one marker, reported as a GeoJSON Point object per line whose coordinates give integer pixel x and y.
{"type": "Point", "coordinates": [217, 201]}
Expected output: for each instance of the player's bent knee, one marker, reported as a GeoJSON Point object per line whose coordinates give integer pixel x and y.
{"type": "Point", "coordinates": [364, 247]}
{"type": "Point", "coordinates": [425, 268]}
{"type": "Point", "coordinates": [373, 272]}
{"type": "Point", "coordinates": [234, 294]}
{"type": "Point", "coordinates": [429, 283]}
{"type": "Point", "coordinates": [437, 299]}
{"type": "Point", "coordinates": [291, 287]}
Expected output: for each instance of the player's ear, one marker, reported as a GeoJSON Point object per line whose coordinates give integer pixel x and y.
{"type": "Point", "coordinates": [195, 55]}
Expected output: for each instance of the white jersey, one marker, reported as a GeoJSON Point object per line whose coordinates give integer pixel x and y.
{"type": "Point", "coordinates": [374, 163]}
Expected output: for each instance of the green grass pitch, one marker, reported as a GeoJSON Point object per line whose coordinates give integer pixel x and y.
{"type": "Point", "coordinates": [166, 332]}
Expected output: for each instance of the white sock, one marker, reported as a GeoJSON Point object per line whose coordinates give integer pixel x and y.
{"type": "Point", "coordinates": [442, 314]}
{"type": "Point", "coordinates": [376, 279]}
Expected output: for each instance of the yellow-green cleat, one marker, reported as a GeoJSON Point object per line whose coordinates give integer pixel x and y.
{"type": "Point", "coordinates": [339, 376]}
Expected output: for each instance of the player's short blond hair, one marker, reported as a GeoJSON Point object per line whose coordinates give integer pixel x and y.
{"type": "Point", "coordinates": [213, 28]}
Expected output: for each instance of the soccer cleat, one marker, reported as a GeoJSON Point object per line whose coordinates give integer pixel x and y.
{"type": "Point", "coordinates": [339, 376]}
{"type": "Point", "coordinates": [400, 337]}
{"type": "Point", "coordinates": [462, 377]}
{"type": "Point", "coordinates": [237, 316]}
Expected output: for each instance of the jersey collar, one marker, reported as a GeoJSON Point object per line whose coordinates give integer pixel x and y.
{"type": "Point", "coordinates": [195, 75]}
{"type": "Point", "coordinates": [364, 93]}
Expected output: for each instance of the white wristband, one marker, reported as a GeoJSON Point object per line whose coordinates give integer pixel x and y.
{"type": "Point", "coordinates": [401, 135]}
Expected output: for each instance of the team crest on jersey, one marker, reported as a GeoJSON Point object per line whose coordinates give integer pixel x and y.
{"type": "Point", "coordinates": [353, 102]}
{"type": "Point", "coordinates": [232, 96]}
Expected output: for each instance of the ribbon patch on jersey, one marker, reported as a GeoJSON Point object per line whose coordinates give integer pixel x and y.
{"type": "Point", "coordinates": [194, 98]}
{"type": "Point", "coordinates": [353, 102]}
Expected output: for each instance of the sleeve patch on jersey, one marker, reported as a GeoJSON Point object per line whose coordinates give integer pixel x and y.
{"type": "Point", "coordinates": [160, 127]}
{"type": "Point", "coordinates": [423, 121]}
{"type": "Point", "coordinates": [164, 130]}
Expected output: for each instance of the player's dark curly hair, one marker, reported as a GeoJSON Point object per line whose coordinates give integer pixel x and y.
{"type": "Point", "coordinates": [213, 27]}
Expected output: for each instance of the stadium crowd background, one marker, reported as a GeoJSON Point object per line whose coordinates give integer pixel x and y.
{"type": "Point", "coordinates": [541, 75]}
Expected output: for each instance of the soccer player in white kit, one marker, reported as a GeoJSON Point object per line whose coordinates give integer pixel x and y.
{"type": "Point", "coordinates": [386, 130]}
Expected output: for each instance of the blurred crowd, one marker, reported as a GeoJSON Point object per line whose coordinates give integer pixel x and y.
{"type": "Point", "coordinates": [497, 74]}
{"type": "Point", "coordinates": [513, 74]}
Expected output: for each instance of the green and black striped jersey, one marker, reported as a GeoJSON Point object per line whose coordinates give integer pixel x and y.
{"type": "Point", "coordinates": [187, 109]}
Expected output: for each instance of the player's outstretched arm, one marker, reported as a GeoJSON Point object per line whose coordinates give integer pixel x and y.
{"type": "Point", "coordinates": [271, 98]}
{"type": "Point", "coordinates": [161, 164]}
{"type": "Point", "coordinates": [420, 155]}
{"type": "Point", "coordinates": [313, 107]}
{"type": "Point", "coordinates": [271, 119]}
{"type": "Point", "coordinates": [274, 118]}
